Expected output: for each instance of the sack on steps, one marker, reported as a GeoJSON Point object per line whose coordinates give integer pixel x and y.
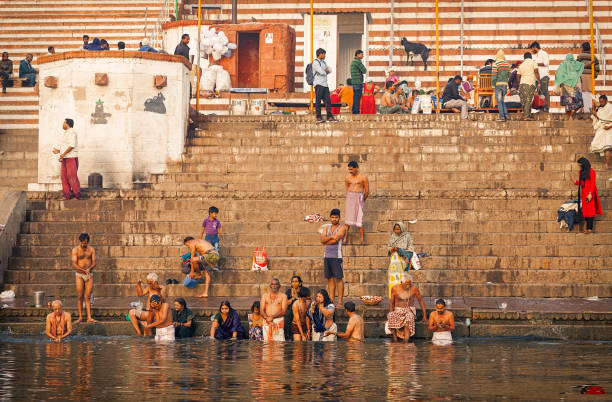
{"type": "Point", "coordinates": [260, 259]}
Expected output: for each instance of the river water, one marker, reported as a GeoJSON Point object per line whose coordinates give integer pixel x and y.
{"type": "Point", "coordinates": [124, 368]}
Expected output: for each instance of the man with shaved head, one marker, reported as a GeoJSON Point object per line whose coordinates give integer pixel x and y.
{"type": "Point", "coordinates": [59, 323]}
{"type": "Point", "coordinates": [273, 309]}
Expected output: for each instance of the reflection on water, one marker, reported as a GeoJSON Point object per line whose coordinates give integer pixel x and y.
{"type": "Point", "coordinates": [130, 368]}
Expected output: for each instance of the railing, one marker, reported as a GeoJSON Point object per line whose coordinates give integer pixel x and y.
{"type": "Point", "coordinates": [602, 55]}
{"type": "Point", "coordinates": [157, 36]}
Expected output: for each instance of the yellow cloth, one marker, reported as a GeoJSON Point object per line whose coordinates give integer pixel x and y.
{"type": "Point", "coordinates": [396, 268]}
{"type": "Point", "coordinates": [346, 96]}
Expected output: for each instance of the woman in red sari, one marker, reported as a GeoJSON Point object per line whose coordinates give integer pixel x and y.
{"type": "Point", "coordinates": [368, 104]}
{"type": "Point", "coordinates": [589, 198]}
{"type": "Point", "coordinates": [335, 98]}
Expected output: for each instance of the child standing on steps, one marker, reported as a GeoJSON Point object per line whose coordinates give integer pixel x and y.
{"type": "Point", "coordinates": [211, 226]}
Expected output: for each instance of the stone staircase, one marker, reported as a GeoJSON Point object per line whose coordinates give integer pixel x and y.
{"type": "Point", "coordinates": [484, 195]}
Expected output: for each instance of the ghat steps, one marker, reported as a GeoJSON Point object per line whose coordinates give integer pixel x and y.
{"type": "Point", "coordinates": [484, 195]}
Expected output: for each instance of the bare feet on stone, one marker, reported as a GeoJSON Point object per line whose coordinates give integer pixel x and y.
{"type": "Point", "coordinates": [77, 322]}
{"type": "Point", "coordinates": [91, 320]}
{"type": "Point", "coordinates": [203, 296]}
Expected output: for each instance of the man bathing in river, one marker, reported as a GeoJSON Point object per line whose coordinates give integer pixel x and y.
{"type": "Point", "coordinates": [162, 320]}
{"type": "Point", "coordinates": [84, 261]}
{"type": "Point", "coordinates": [59, 323]}
{"type": "Point", "coordinates": [402, 312]}
{"type": "Point", "coordinates": [204, 253]}
{"type": "Point", "coordinates": [153, 289]}
{"type": "Point", "coordinates": [357, 191]}
{"type": "Point", "coordinates": [273, 309]}
{"type": "Point", "coordinates": [354, 328]}
{"type": "Point", "coordinates": [441, 323]}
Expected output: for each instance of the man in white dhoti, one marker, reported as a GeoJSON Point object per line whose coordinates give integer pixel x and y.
{"type": "Point", "coordinates": [602, 124]}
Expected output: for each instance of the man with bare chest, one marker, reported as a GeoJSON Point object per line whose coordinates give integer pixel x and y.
{"type": "Point", "coordinates": [162, 320]}
{"type": "Point", "coordinates": [402, 313]}
{"type": "Point", "coordinates": [205, 254]}
{"type": "Point", "coordinates": [441, 323]}
{"type": "Point", "coordinates": [357, 191]}
{"type": "Point", "coordinates": [273, 309]}
{"type": "Point", "coordinates": [146, 316]}
{"type": "Point", "coordinates": [84, 261]}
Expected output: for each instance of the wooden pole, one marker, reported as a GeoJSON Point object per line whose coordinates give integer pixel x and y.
{"type": "Point", "coordinates": [311, 48]}
{"type": "Point", "coordinates": [391, 34]}
{"type": "Point", "coordinates": [198, 61]}
{"type": "Point", "coordinates": [437, 61]}
{"type": "Point", "coordinates": [592, 54]}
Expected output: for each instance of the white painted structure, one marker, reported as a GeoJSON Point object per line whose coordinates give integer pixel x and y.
{"type": "Point", "coordinates": [133, 143]}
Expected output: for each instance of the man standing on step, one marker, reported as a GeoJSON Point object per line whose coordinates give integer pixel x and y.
{"type": "Point", "coordinates": [357, 72]}
{"type": "Point", "coordinates": [68, 157]}
{"type": "Point", "coordinates": [6, 69]}
{"type": "Point", "coordinates": [357, 191]}
{"type": "Point", "coordinates": [84, 261]}
{"type": "Point", "coordinates": [320, 70]}
{"type": "Point", "coordinates": [540, 57]}
{"type": "Point", "coordinates": [402, 313]}
{"type": "Point", "coordinates": [331, 237]}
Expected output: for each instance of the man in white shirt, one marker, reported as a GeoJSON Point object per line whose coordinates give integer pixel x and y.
{"type": "Point", "coordinates": [541, 59]}
{"type": "Point", "coordinates": [320, 70]}
{"type": "Point", "coordinates": [68, 157]}
{"type": "Point", "coordinates": [528, 76]}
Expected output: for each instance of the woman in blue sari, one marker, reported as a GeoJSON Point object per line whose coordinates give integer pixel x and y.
{"type": "Point", "coordinates": [226, 324]}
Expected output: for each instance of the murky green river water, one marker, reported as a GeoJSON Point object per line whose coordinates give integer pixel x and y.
{"type": "Point", "coordinates": [130, 369]}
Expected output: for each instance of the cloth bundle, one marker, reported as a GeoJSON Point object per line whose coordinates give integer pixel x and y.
{"type": "Point", "coordinates": [216, 44]}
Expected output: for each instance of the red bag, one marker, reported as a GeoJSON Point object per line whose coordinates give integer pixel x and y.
{"type": "Point", "coordinates": [539, 101]}
{"type": "Point", "coordinates": [260, 259]}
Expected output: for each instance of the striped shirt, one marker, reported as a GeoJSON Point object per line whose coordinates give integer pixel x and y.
{"type": "Point", "coordinates": [501, 72]}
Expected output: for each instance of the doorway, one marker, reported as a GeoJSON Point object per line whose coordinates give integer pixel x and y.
{"type": "Point", "coordinates": [347, 44]}
{"type": "Point", "coordinates": [248, 60]}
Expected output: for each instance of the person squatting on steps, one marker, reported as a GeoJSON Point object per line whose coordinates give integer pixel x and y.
{"type": "Point", "coordinates": [84, 261]}
{"type": "Point", "coordinates": [68, 157]}
{"type": "Point", "coordinates": [204, 258]}
{"type": "Point", "coordinates": [145, 317]}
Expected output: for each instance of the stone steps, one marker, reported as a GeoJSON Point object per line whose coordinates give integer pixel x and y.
{"type": "Point", "coordinates": [353, 290]}
{"type": "Point", "coordinates": [316, 276]}
{"type": "Point", "coordinates": [157, 262]}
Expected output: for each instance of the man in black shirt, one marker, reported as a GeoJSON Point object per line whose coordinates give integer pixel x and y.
{"type": "Point", "coordinates": [452, 99]}
{"type": "Point", "coordinates": [182, 49]}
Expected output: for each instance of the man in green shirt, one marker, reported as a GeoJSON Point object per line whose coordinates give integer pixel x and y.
{"type": "Point", "coordinates": [357, 72]}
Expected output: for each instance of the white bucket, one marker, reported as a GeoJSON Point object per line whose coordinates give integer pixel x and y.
{"type": "Point", "coordinates": [258, 106]}
{"type": "Point", "coordinates": [239, 106]}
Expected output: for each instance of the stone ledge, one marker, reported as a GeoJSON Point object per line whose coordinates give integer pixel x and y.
{"type": "Point", "coordinates": [113, 54]}
{"type": "Point", "coordinates": [472, 194]}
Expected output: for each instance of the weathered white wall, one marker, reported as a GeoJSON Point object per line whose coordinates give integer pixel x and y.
{"type": "Point", "coordinates": [133, 143]}
{"type": "Point", "coordinates": [326, 37]}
